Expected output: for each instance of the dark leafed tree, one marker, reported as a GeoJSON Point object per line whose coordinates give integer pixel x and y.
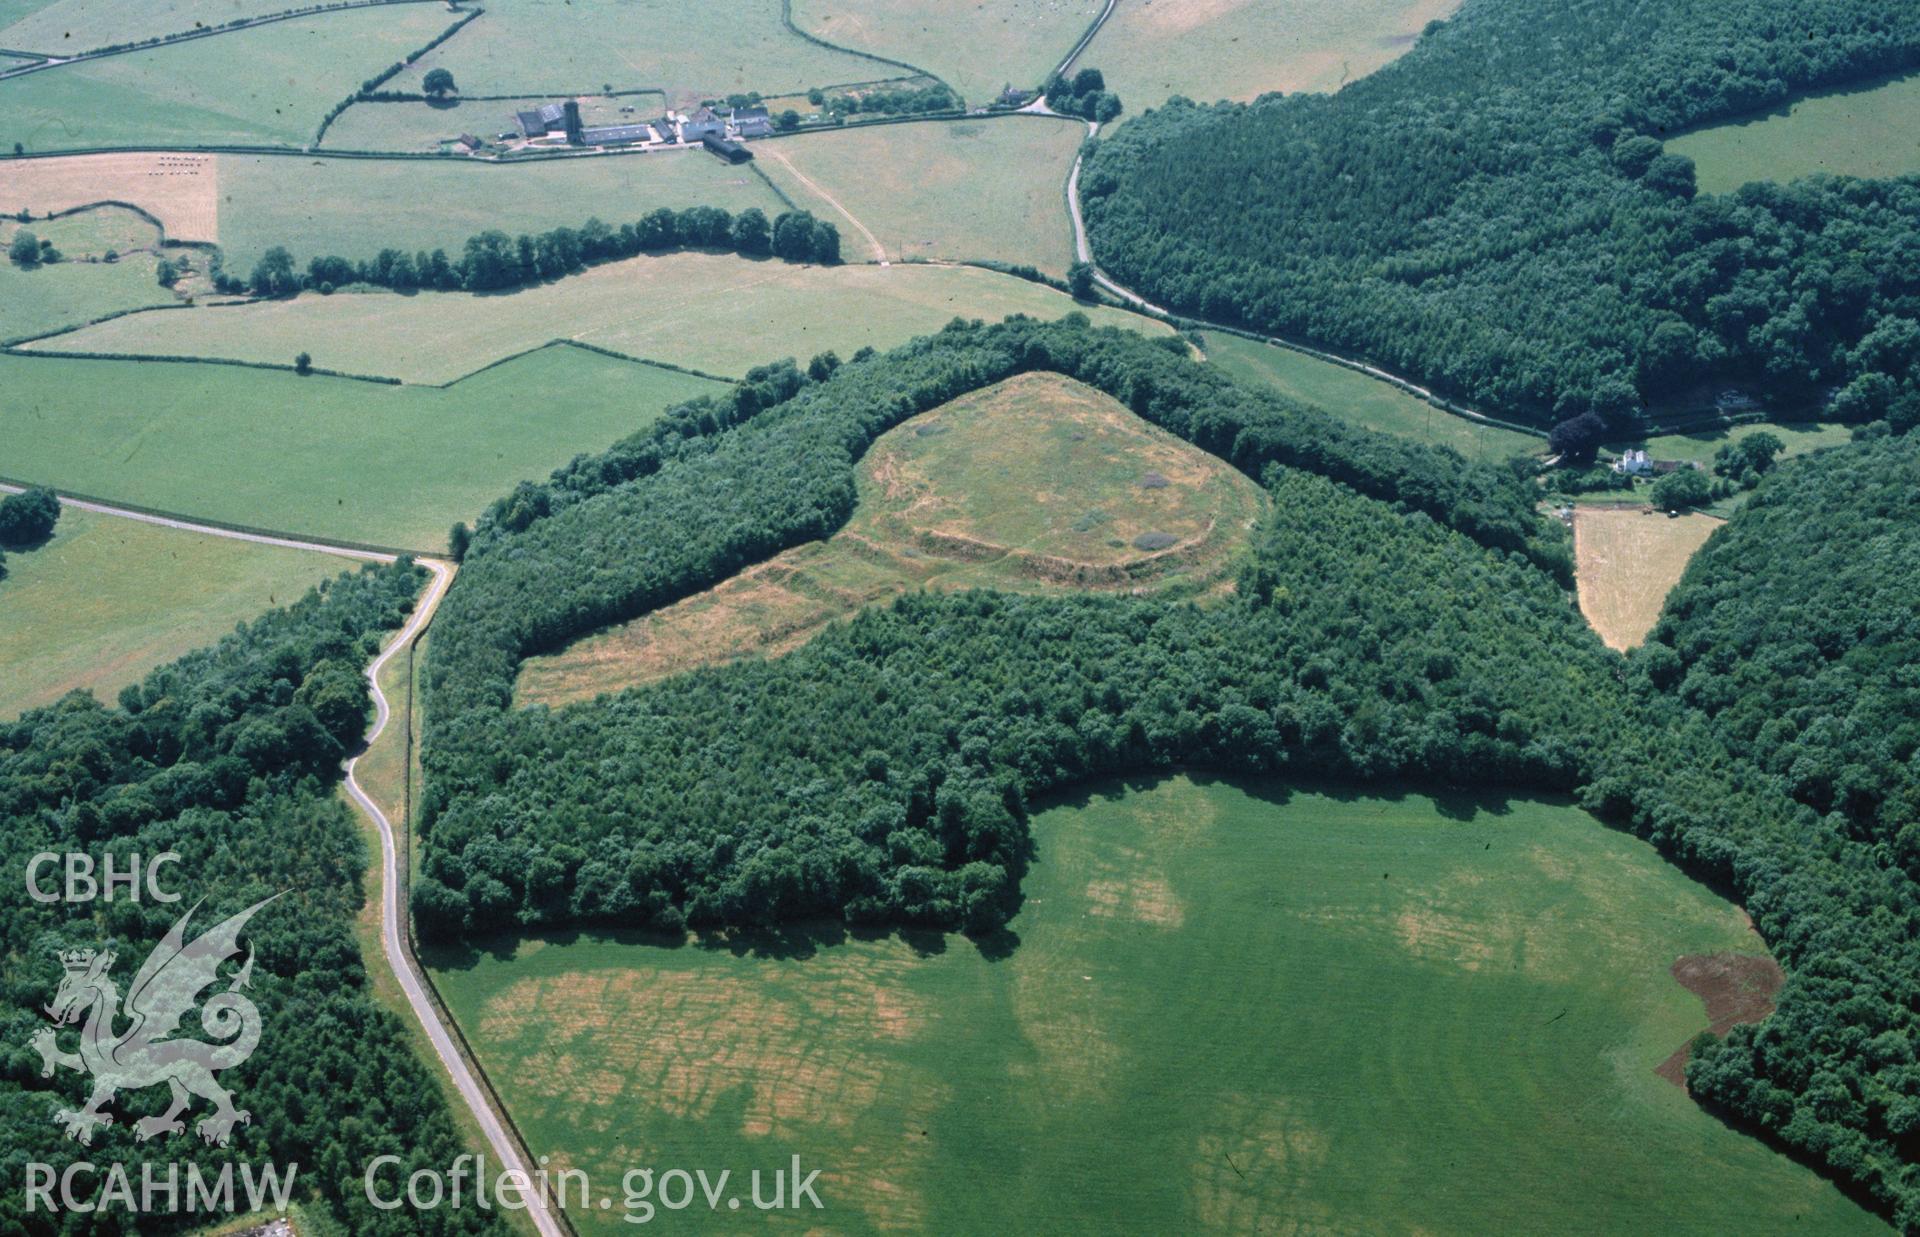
{"type": "Point", "coordinates": [27, 518]}
{"type": "Point", "coordinates": [439, 83]}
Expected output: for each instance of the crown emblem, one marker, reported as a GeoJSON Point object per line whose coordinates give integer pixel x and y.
{"type": "Point", "coordinates": [77, 959]}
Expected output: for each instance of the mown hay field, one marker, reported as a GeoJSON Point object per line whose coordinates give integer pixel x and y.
{"type": "Point", "coordinates": [107, 599]}
{"type": "Point", "coordinates": [1626, 561]}
{"type": "Point", "coordinates": [1034, 484]}
{"type": "Point", "coordinates": [962, 190]}
{"type": "Point", "coordinates": [1220, 1009]}
{"type": "Point", "coordinates": [712, 312]}
{"type": "Point", "coordinates": [269, 85]}
{"type": "Point", "coordinates": [1872, 133]}
{"type": "Point", "coordinates": [561, 47]}
{"type": "Point", "coordinates": [1151, 50]}
{"type": "Point", "coordinates": [389, 465]}
{"type": "Point", "coordinates": [1365, 401]}
{"type": "Point", "coordinates": [978, 49]}
{"type": "Point", "coordinates": [180, 190]}
{"type": "Point", "coordinates": [357, 207]}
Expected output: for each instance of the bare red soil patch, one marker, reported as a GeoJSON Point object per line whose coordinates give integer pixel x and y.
{"type": "Point", "coordinates": [1735, 988]}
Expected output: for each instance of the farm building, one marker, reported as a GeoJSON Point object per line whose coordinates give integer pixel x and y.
{"type": "Point", "coordinates": [731, 151]}
{"type": "Point", "coordinates": [701, 124]}
{"type": "Point", "coordinates": [540, 121]}
{"type": "Point", "coordinates": [1634, 464]}
{"type": "Point", "coordinates": [750, 122]}
{"type": "Point", "coordinates": [615, 135]}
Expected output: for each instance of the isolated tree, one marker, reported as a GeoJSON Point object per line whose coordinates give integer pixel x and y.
{"type": "Point", "coordinates": [1677, 491]}
{"type": "Point", "coordinates": [1080, 280]}
{"type": "Point", "coordinates": [25, 250]}
{"type": "Point", "coordinates": [439, 83]}
{"type": "Point", "coordinates": [458, 540]}
{"type": "Point", "coordinates": [303, 364]}
{"type": "Point", "coordinates": [167, 274]}
{"type": "Point", "coordinates": [18, 149]}
{"type": "Point", "coordinates": [750, 232]}
{"type": "Point", "coordinates": [788, 120]}
{"type": "Point", "coordinates": [1577, 438]}
{"type": "Point", "coordinates": [27, 518]}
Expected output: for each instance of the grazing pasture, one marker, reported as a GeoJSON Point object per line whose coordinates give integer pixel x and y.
{"type": "Point", "coordinates": [357, 207]}
{"type": "Point", "coordinates": [1220, 1009]}
{"type": "Point", "coordinates": [327, 456]}
{"type": "Point", "coordinates": [1365, 401]}
{"type": "Point", "coordinates": [1872, 132]}
{"type": "Point", "coordinates": [82, 286]}
{"type": "Point", "coordinates": [69, 27]}
{"type": "Point", "coordinates": [712, 312]}
{"type": "Point", "coordinates": [559, 47]}
{"type": "Point", "coordinates": [1800, 437]}
{"type": "Point", "coordinates": [1151, 50]}
{"type": "Point", "coordinates": [422, 127]}
{"type": "Point", "coordinates": [106, 600]}
{"type": "Point", "coordinates": [180, 190]}
{"type": "Point", "coordinates": [975, 189]}
{"type": "Point", "coordinates": [266, 86]}
{"type": "Point", "coordinates": [1034, 484]}
{"type": "Point", "coordinates": [978, 49]}
{"type": "Point", "coordinates": [1626, 561]}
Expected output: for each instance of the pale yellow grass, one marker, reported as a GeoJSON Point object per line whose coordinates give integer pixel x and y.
{"type": "Point", "coordinates": [1627, 561]}
{"type": "Point", "coordinates": [180, 190]}
{"type": "Point", "coordinates": [710, 312]}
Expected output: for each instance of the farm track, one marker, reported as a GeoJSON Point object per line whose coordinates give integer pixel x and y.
{"type": "Point", "coordinates": [879, 250]}
{"type": "Point", "coordinates": [398, 956]}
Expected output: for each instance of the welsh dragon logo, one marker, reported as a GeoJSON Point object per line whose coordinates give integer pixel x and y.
{"type": "Point", "coordinates": [145, 1054]}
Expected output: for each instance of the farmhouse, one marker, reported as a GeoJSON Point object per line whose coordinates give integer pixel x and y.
{"type": "Point", "coordinates": [1634, 464]}
{"type": "Point", "coordinates": [701, 124]}
{"type": "Point", "coordinates": [750, 122]}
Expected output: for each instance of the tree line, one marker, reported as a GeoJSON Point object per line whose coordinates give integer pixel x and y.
{"type": "Point", "coordinates": [492, 260]}
{"type": "Point", "coordinates": [1497, 215]}
{"type": "Point", "coordinates": [228, 757]}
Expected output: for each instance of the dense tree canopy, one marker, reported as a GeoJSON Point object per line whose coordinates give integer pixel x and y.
{"type": "Point", "coordinates": [1494, 213]}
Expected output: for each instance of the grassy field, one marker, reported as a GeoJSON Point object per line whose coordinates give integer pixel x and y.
{"type": "Point", "coordinates": [1626, 562]}
{"type": "Point", "coordinates": [266, 86]}
{"type": "Point", "coordinates": [1220, 1009]}
{"type": "Point", "coordinates": [1365, 401]}
{"type": "Point", "coordinates": [329, 456]}
{"type": "Point", "coordinates": [107, 600]}
{"type": "Point", "coordinates": [356, 207]}
{"type": "Point", "coordinates": [977, 49]}
{"type": "Point", "coordinates": [712, 312]}
{"type": "Point", "coordinates": [567, 46]}
{"type": "Point", "coordinates": [425, 126]}
{"type": "Point", "coordinates": [1237, 49]}
{"type": "Point", "coordinates": [1034, 484]}
{"type": "Point", "coordinates": [974, 189]}
{"type": "Point", "coordinates": [1800, 438]}
{"type": "Point", "coordinates": [68, 27]}
{"type": "Point", "coordinates": [1871, 133]}
{"type": "Point", "coordinates": [179, 190]}
{"type": "Point", "coordinates": [83, 285]}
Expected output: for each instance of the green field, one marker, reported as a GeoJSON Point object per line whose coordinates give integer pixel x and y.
{"type": "Point", "coordinates": [1035, 484]}
{"type": "Point", "coordinates": [976, 49]}
{"type": "Point", "coordinates": [1237, 49]}
{"type": "Point", "coordinates": [357, 207]}
{"type": "Point", "coordinates": [82, 286]}
{"type": "Point", "coordinates": [265, 86]}
{"type": "Point", "coordinates": [559, 47]}
{"type": "Point", "coordinates": [423, 127]}
{"type": "Point", "coordinates": [977, 189]}
{"type": "Point", "coordinates": [710, 312]}
{"type": "Point", "coordinates": [328, 456]}
{"type": "Point", "coordinates": [1870, 133]}
{"type": "Point", "coordinates": [107, 600]}
{"type": "Point", "coordinates": [1800, 438]}
{"type": "Point", "coordinates": [1364, 401]}
{"type": "Point", "coordinates": [1220, 1009]}
{"type": "Point", "coordinates": [68, 27]}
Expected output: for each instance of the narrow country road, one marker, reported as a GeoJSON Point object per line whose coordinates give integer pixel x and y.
{"type": "Point", "coordinates": [502, 1144]}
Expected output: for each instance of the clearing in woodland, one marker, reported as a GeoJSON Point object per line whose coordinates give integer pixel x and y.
{"type": "Point", "coordinates": [1036, 483]}
{"type": "Point", "coordinates": [269, 85]}
{"type": "Point", "coordinates": [973, 190]}
{"type": "Point", "coordinates": [1872, 133]}
{"type": "Point", "coordinates": [108, 599]}
{"type": "Point", "coordinates": [1151, 50]}
{"type": "Point", "coordinates": [978, 49]}
{"type": "Point", "coordinates": [1626, 561]}
{"type": "Point", "coordinates": [356, 207]}
{"type": "Point", "coordinates": [711, 312]}
{"type": "Point", "coordinates": [1220, 1008]}
{"type": "Point", "coordinates": [563, 47]}
{"type": "Point", "coordinates": [332, 457]}
{"type": "Point", "coordinates": [180, 190]}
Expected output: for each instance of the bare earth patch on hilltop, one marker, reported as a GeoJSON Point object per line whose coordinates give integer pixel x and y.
{"type": "Point", "coordinates": [1037, 484]}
